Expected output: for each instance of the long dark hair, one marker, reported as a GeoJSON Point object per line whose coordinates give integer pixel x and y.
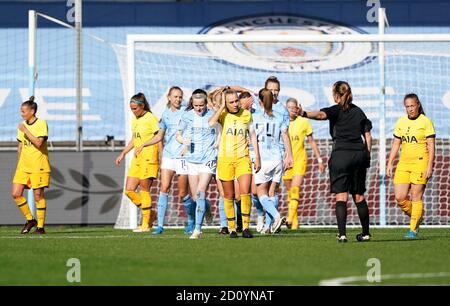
{"type": "Point", "coordinates": [31, 104]}
{"type": "Point", "coordinates": [266, 97]}
{"type": "Point", "coordinates": [343, 90]}
{"type": "Point", "coordinates": [415, 97]}
{"type": "Point", "coordinates": [140, 99]}
{"type": "Point", "coordinates": [197, 94]}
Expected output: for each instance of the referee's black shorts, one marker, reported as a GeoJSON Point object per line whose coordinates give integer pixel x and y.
{"type": "Point", "coordinates": [348, 171]}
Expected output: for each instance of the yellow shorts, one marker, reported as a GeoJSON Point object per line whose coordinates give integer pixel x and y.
{"type": "Point", "coordinates": [300, 167]}
{"type": "Point", "coordinates": [32, 180]}
{"type": "Point", "coordinates": [142, 170]}
{"type": "Point", "coordinates": [230, 170]}
{"type": "Point", "coordinates": [411, 173]}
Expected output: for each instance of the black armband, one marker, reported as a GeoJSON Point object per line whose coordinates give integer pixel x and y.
{"type": "Point", "coordinates": [304, 114]}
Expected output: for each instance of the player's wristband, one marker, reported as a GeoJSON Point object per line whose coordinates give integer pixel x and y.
{"type": "Point", "coordinates": [304, 114]}
{"type": "Point", "coordinates": [320, 160]}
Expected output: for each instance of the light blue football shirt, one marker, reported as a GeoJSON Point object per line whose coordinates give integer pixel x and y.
{"type": "Point", "coordinates": [203, 137]}
{"type": "Point", "coordinates": [268, 131]}
{"type": "Point", "coordinates": [169, 122]}
{"type": "Point", "coordinates": [281, 109]}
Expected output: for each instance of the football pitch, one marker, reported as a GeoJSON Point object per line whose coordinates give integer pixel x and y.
{"type": "Point", "coordinates": [302, 257]}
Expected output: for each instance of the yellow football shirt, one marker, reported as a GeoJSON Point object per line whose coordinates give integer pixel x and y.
{"type": "Point", "coordinates": [298, 130]}
{"type": "Point", "coordinates": [234, 137]}
{"type": "Point", "coordinates": [144, 129]}
{"type": "Point", "coordinates": [414, 133]}
{"type": "Point", "coordinates": [32, 159]}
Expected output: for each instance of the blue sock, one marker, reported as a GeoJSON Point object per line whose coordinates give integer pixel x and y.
{"type": "Point", "coordinates": [200, 212]}
{"type": "Point", "coordinates": [222, 215]}
{"type": "Point", "coordinates": [193, 208]}
{"type": "Point", "coordinates": [275, 201]}
{"type": "Point", "coordinates": [268, 220]}
{"type": "Point", "coordinates": [269, 206]}
{"type": "Point", "coordinates": [257, 204]}
{"type": "Point", "coordinates": [189, 207]}
{"type": "Point", "coordinates": [162, 206]}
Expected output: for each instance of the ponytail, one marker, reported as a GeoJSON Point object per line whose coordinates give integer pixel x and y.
{"type": "Point", "coordinates": [343, 90]}
{"type": "Point", "coordinates": [31, 104]}
{"type": "Point", "coordinates": [266, 97]}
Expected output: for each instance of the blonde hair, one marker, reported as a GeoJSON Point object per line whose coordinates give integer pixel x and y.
{"type": "Point", "coordinates": [170, 92]}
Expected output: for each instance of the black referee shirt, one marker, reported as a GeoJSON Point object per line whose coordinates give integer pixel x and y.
{"type": "Point", "coordinates": [347, 128]}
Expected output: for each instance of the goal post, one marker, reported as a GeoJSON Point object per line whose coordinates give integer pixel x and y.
{"type": "Point", "coordinates": [33, 68]}
{"type": "Point", "coordinates": [150, 60]}
{"type": "Point", "coordinates": [382, 122]}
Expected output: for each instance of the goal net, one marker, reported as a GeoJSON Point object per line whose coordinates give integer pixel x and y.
{"type": "Point", "coordinates": [306, 70]}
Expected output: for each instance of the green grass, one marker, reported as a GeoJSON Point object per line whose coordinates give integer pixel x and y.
{"type": "Point", "coordinates": [303, 257]}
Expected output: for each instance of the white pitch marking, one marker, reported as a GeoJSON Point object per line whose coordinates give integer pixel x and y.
{"type": "Point", "coordinates": [341, 281]}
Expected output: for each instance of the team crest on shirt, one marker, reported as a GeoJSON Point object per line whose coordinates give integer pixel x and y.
{"type": "Point", "coordinates": [287, 57]}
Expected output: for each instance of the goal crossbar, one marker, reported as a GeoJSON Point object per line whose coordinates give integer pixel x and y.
{"type": "Point", "coordinates": [185, 38]}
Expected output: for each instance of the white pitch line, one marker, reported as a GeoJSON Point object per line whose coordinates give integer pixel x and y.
{"type": "Point", "coordinates": [90, 237]}
{"type": "Point", "coordinates": [99, 237]}
{"type": "Point", "coordinates": [64, 237]}
{"type": "Point", "coordinates": [341, 281]}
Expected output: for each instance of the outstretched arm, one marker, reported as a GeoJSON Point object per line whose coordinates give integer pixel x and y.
{"type": "Point", "coordinates": [319, 115]}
